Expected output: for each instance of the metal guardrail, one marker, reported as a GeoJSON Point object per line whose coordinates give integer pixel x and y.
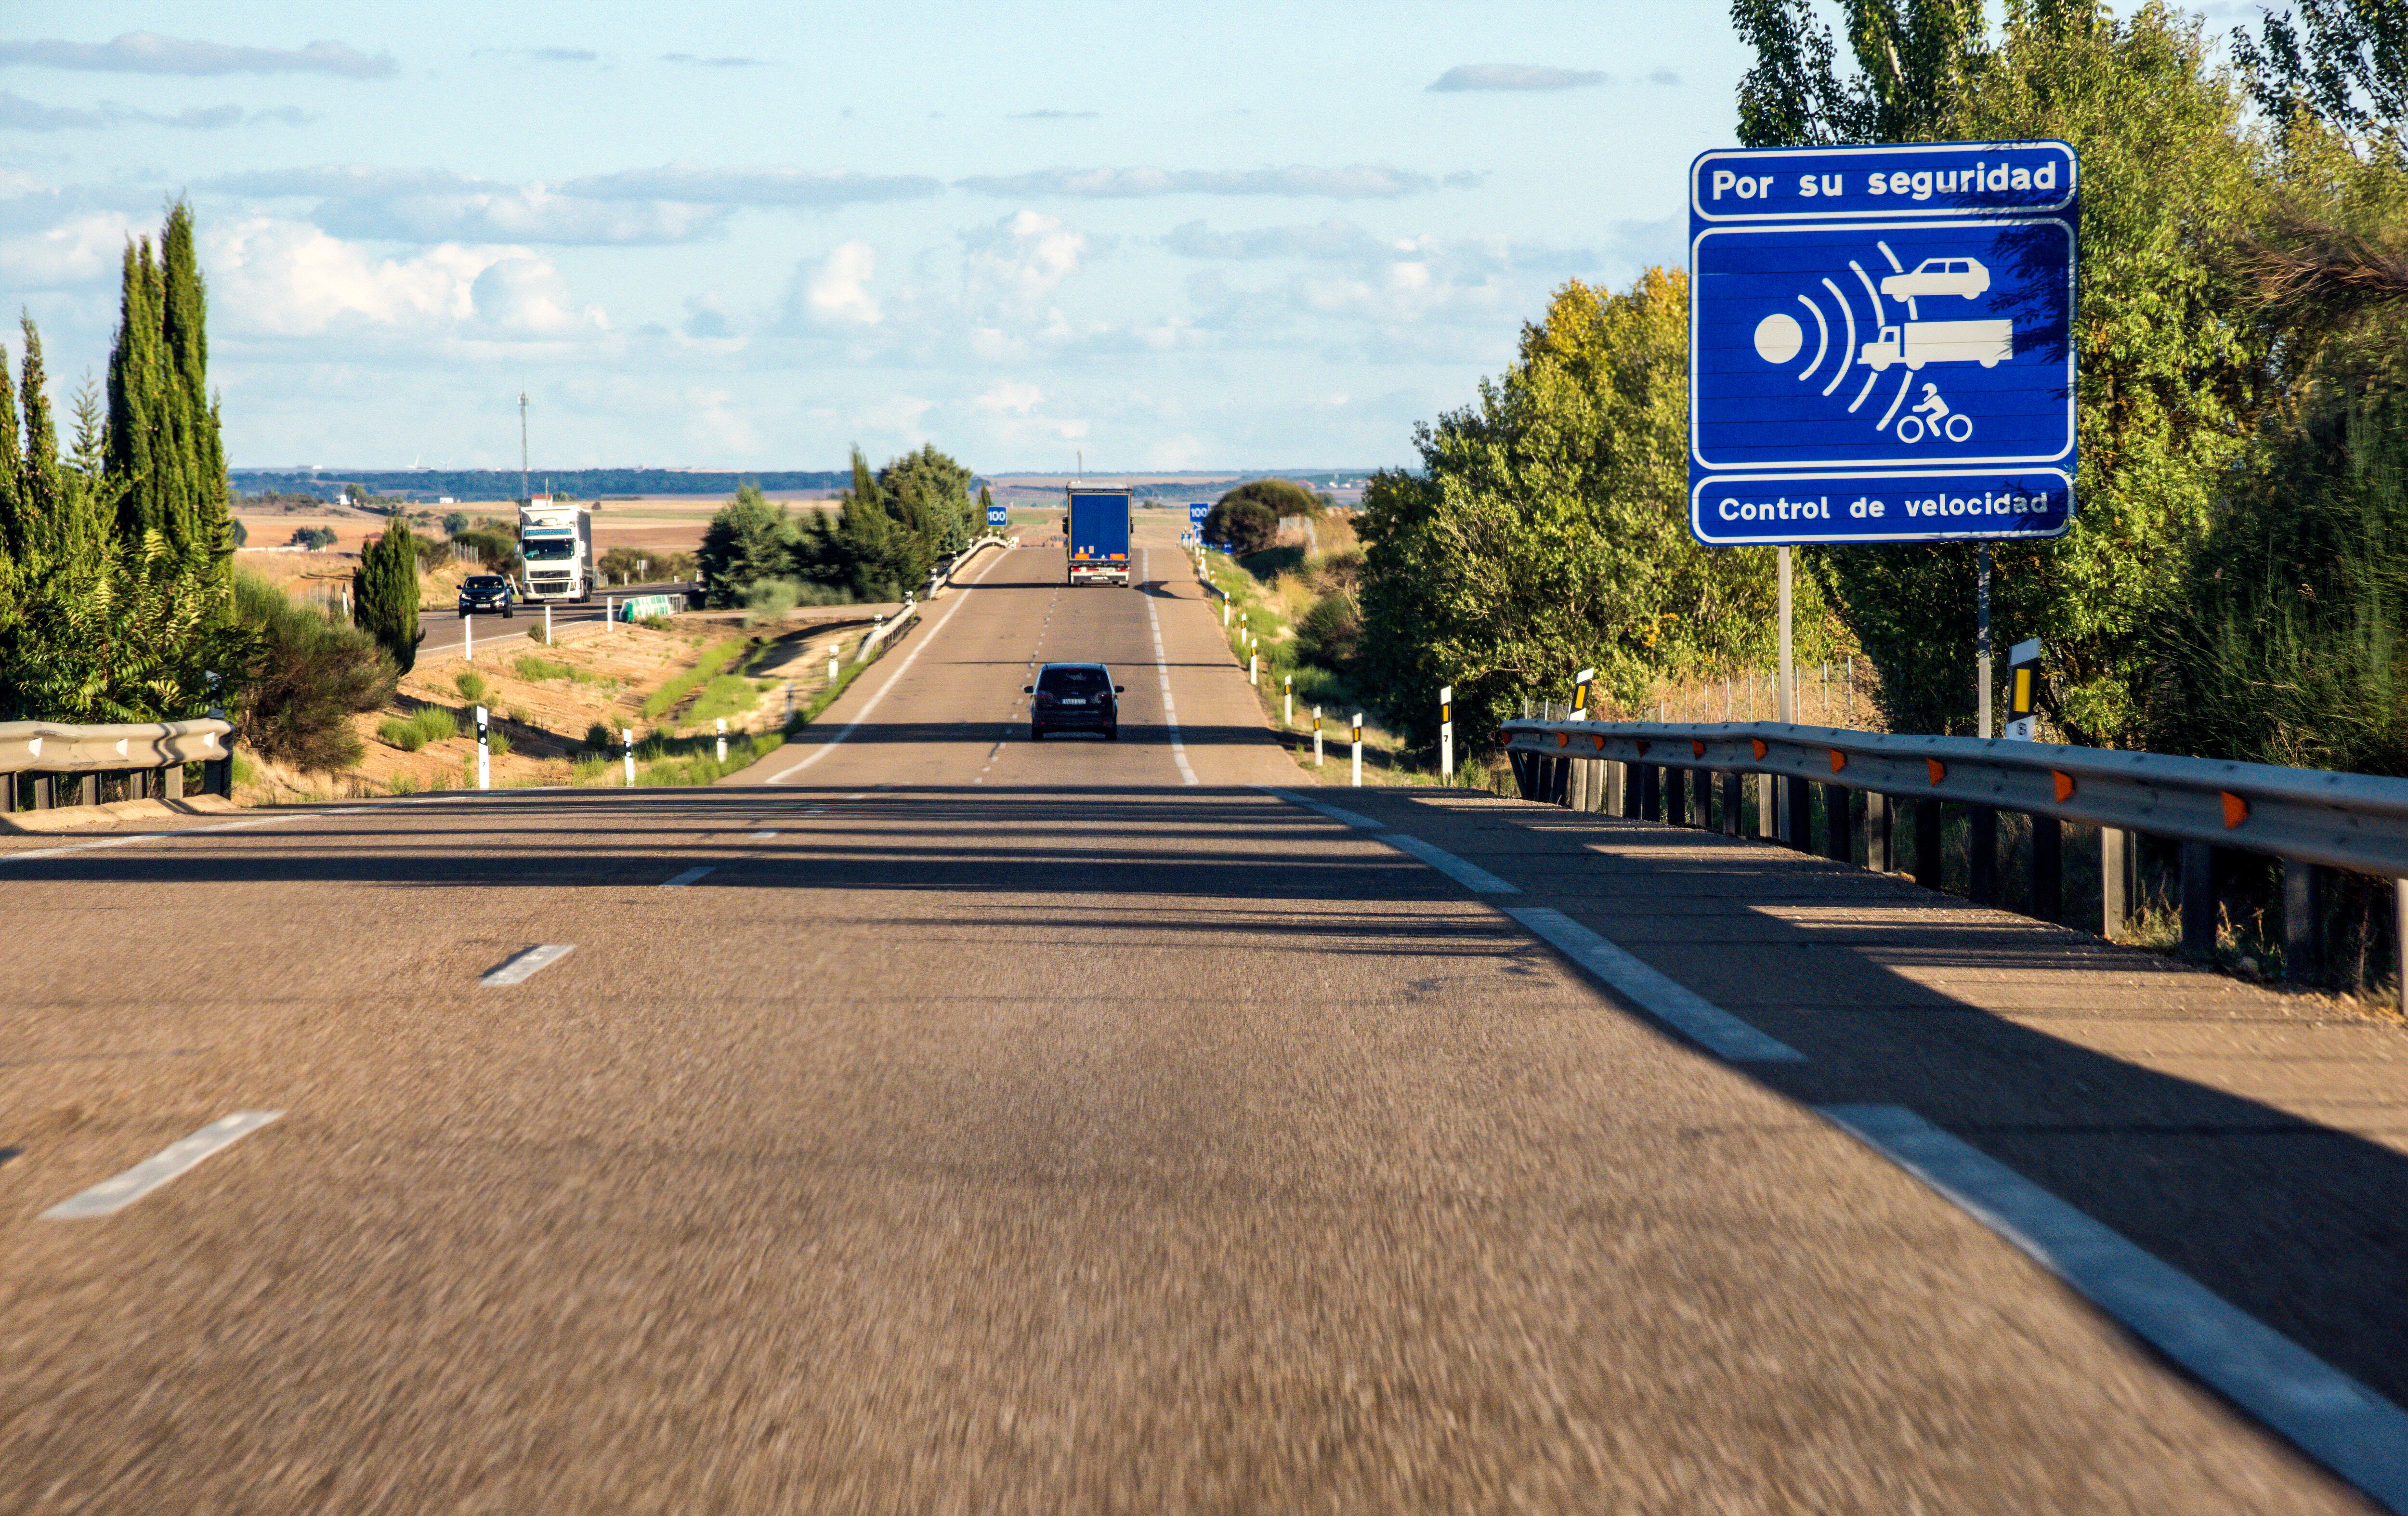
{"type": "Point", "coordinates": [156, 751]}
{"type": "Point", "coordinates": [962, 560]}
{"type": "Point", "coordinates": [887, 627]}
{"type": "Point", "coordinates": [2311, 819]}
{"type": "Point", "coordinates": [2343, 820]}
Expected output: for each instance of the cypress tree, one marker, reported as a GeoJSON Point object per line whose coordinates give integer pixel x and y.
{"type": "Point", "coordinates": [384, 594]}
{"type": "Point", "coordinates": [136, 397]}
{"type": "Point", "coordinates": [12, 484]}
{"type": "Point", "coordinates": [194, 487]}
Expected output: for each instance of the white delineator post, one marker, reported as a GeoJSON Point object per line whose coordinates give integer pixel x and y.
{"type": "Point", "coordinates": [468, 638]}
{"type": "Point", "coordinates": [1446, 733]}
{"type": "Point", "coordinates": [610, 607]}
{"type": "Point", "coordinates": [1254, 665]}
{"type": "Point", "coordinates": [1225, 613]}
{"type": "Point", "coordinates": [1358, 749]}
{"type": "Point", "coordinates": [485, 753]}
{"type": "Point", "coordinates": [723, 739]}
{"type": "Point", "coordinates": [834, 658]}
{"type": "Point", "coordinates": [1287, 701]}
{"type": "Point", "coordinates": [627, 743]}
{"type": "Point", "coordinates": [547, 624]}
{"type": "Point", "coordinates": [1316, 736]}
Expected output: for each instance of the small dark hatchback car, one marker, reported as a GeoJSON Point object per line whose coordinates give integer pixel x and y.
{"type": "Point", "coordinates": [1074, 697]}
{"type": "Point", "coordinates": [487, 592]}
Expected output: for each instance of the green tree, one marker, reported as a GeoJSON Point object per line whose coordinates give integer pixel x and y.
{"type": "Point", "coordinates": [748, 540]}
{"type": "Point", "coordinates": [2344, 61]}
{"type": "Point", "coordinates": [2170, 363]}
{"type": "Point", "coordinates": [1243, 524]}
{"type": "Point", "coordinates": [929, 493]}
{"type": "Point", "coordinates": [1547, 529]}
{"type": "Point", "coordinates": [385, 595]}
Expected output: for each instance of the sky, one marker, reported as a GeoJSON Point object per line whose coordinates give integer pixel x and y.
{"type": "Point", "coordinates": [1238, 235]}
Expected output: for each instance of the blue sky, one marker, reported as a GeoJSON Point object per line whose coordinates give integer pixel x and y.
{"type": "Point", "coordinates": [1235, 236]}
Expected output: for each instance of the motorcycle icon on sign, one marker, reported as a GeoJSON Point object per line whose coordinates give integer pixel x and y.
{"type": "Point", "coordinates": [1930, 417]}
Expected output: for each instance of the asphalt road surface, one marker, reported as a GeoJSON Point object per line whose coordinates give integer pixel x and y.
{"type": "Point", "coordinates": [935, 1120]}
{"type": "Point", "coordinates": [445, 629]}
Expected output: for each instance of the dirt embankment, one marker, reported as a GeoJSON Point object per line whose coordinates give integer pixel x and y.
{"type": "Point", "coordinates": [544, 704]}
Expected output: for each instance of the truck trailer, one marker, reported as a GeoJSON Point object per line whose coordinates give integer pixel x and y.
{"type": "Point", "coordinates": [1096, 535]}
{"type": "Point", "coordinates": [1917, 343]}
{"type": "Point", "coordinates": [556, 544]}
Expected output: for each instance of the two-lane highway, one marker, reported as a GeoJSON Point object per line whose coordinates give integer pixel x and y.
{"type": "Point", "coordinates": [937, 1121]}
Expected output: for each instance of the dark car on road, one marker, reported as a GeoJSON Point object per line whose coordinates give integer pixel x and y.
{"type": "Point", "coordinates": [487, 593]}
{"type": "Point", "coordinates": [1073, 698]}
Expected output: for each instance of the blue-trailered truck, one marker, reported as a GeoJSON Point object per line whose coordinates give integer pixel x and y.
{"type": "Point", "coordinates": [1096, 535]}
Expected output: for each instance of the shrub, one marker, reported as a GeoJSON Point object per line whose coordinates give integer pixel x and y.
{"type": "Point", "coordinates": [1331, 633]}
{"type": "Point", "coordinates": [315, 539]}
{"type": "Point", "coordinates": [311, 677]}
{"type": "Point", "coordinates": [599, 737]}
{"type": "Point", "coordinates": [768, 599]}
{"type": "Point", "coordinates": [535, 671]}
{"type": "Point", "coordinates": [403, 784]}
{"type": "Point", "coordinates": [401, 733]}
{"type": "Point", "coordinates": [587, 771]}
{"type": "Point", "coordinates": [497, 742]}
{"type": "Point", "coordinates": [1281, 497]}
{"type": "Point", "coordinates": [1243, 525]}
{"type": "Point", "coordinates": [470, 685]}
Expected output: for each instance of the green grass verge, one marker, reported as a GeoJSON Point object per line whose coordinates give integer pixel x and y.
{"type": "Point", "coordinates": [715, 659]}
{"type": "Point", "coordinates": [664, 759]}
{"type": "Point", "coordinates": [427, 724]}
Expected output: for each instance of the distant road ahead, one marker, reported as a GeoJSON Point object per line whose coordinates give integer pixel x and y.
{"type": "Point", "coordinates": [444, 631]}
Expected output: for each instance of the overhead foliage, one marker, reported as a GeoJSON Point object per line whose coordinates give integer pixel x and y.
{"type": "Point", "coordinates": [1547, 530]}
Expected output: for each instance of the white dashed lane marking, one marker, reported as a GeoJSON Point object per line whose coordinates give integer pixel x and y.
{"type": "Point", "coordinates": [687, 878]}
{"type": "Point", "coordinates": [521, 967]}
{"type": "Point", "coordinates": [114, 1194]}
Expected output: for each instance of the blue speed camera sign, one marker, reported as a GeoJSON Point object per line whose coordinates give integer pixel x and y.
{"type": "Point", "coordinates": [1880, 343]}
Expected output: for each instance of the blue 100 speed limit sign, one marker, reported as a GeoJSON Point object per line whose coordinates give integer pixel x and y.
{"type": "Point", "coordinates": [1881, 343]}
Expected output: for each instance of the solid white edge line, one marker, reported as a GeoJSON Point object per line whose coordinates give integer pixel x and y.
{"type": "Point", "coordinates": [1161, 672]}
{"type": "Point", "coordinates": [1335, 813]}
{"type": "Point", "coordinates": [850, 728]}
{"type": "Point", "coordinates": [680, 881]}
{"type": "Point", "coordinates": [111, 1195]}
{"type": "Point", "coordinates": [521, 967]}
{"type": "Point", "coordinates": [1685, 1011]}
{"type": "Point", "coordinates": [1470, 876]}
{"type": "Point", "coordinates": [2328, 1414]}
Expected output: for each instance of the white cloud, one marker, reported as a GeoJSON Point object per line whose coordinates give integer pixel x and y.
{"type": "Point", "coordinates": [1511, 76]}
{"type": "Point", "coordinates": [1019, 261]}
{"type": "Point", "coordinates": [1353, 182]}
{"type": "Point", "coordinates": [837, 291]}
{"type": "Point", "coordinates": [751, 186]}
{"type": "Point", "coordinates": [1014, 396]}
{"type": "Point", "coordinates": [530, 213]}
{"type": "Point", "coordinates": [148, 52]}
{"type": "Point", "coordinates": [280, 278]}
{"type": "Point", "coordinates": [80, 249]}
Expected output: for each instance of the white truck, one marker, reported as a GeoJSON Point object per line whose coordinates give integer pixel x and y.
{"type": "Point", "coordinates": [556, 544]}
{"type": "Point", "coordinates": [1917, 343]}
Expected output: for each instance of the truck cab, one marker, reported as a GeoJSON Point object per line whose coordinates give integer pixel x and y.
{"type": "Point", "coordinates": [557, 544]}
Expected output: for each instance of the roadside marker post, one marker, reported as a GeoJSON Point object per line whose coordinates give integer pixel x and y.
{"type": "Point", "coordinates": [1287, 702]}
{"type": "Point", "coordinates": [484, 753]}
{"type": "Point", "coordinates": [1316, 736]}
{"type": "Point", "coordinates": [723, 739]}
{"type": "Point", "coordinates": [627, 743]}
{"type": "Point", "coordinates": [1254, 665]}
{"type": "Point", "coordinates": [2023, 672]}
{"type": "Point", "coordinates": [790, 702]}
{"type": "Point", "coordinates": [1580, 682]}
{"type": "Point", "coordinates": [547, 624]}
{"type": "Point", "coordinates": [1446, 733]}
{"type": "Point", "coordinates": [1358, 749]}
{"type": "Point", "coordinates": [469, 639]}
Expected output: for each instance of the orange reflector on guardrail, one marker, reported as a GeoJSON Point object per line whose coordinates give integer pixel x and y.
{"type": "Point", "coordinates": [2064, 784]}
{"type": "Point", "coordinates": [1643, 749]}
{"type": "Point", "coordinates": [1696, 748]}
{"type": "Point", "coordinates": [1939, 769]}
{"type": "Point", "coordinates": [2236, 809]}
{"type": "Point", "coordinates": [1563, 739]}
{"type": "Point", "coordinates": [1838, 760]}
{"type": "Point", "coordinates": [1757, 743]}
{"type": "Point", "coordinates": [1600, 741]}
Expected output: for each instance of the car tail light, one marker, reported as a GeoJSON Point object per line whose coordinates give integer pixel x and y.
{"type": "Point", "coordinates": [1043, 698]}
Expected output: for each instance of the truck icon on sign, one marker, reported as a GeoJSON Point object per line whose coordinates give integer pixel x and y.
{"type": "Point", "coordinates": [1917, 343]}
{"type": "Point", "coordinates": [1938, 276]}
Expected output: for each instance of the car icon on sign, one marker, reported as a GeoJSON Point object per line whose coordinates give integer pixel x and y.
{"type": "Point", "coordinates": [1938, 276]}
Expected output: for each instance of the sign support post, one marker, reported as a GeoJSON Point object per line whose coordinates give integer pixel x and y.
{"type": "Point", "coordinates": [1982, 633]}
{"type": "Point", "coordinates": [1788, 674]}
